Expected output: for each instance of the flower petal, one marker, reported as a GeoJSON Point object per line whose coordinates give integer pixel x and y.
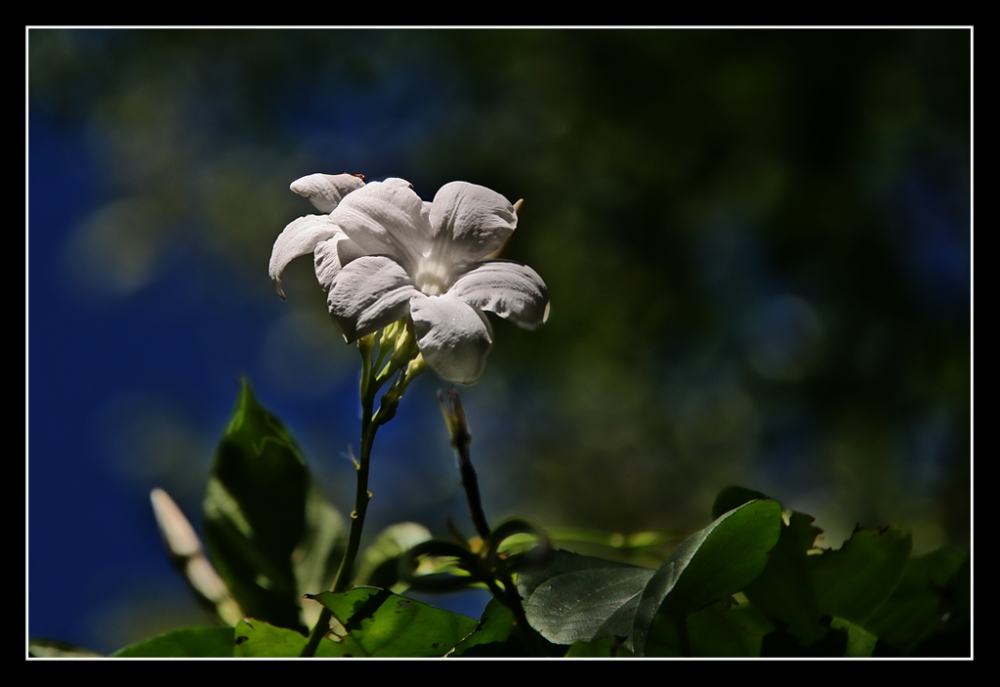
{"type": "Point", "coordinates": [455, 338]}
{"type": "Point", "coordinates": [331, 256]}
{"type": "Point", "coordinates": [387, 218]}
{"type": "Point", "coordinates": [511, 290]}
{"type": "Point", "coordinates": [369, 293]}
{"type": "Point", "coordinates": [470, 221]}
{"type": "Point", "coordinates": [325, 191]}
{"type": "Point", "coordinates": [298, 238]}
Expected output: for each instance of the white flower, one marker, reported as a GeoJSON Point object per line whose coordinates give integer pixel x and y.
{"type": "Point", "coordinates": [383, 254]}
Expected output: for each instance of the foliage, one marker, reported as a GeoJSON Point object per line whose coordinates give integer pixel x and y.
{"type": "Point", "coordinates": [751, 583]}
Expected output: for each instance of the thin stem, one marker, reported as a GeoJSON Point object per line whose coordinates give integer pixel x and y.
{"type": "Point", "coordinates": [369, 426]}
{"type": "Point", "coordinates": [508, 595]}
{"type": "Point", "coordinates": [471, 486]}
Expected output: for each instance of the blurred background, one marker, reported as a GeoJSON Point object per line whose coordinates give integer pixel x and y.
{"type": "Point", "coordinates": [757, 244]}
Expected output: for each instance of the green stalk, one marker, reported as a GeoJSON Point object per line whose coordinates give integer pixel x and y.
{"type": "Point", "coordinates": [370, 422]}
{"type": "Point", "coordinates": [369, 388]}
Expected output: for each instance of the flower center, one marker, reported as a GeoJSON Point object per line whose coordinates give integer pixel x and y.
{"type": "Point", "coordinates": [433, 278]}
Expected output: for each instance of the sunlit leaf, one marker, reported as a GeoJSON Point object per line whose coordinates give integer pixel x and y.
{"type": "Point", "coordinates": [860, 642]}
{"type": "Point", "coordinates": [258, 639]}
{"type": "Point", "coordinates": [378, 623]}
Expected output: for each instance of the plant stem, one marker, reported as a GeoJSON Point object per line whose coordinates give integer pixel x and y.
{"type": "Point", "coordinates": [471, 486]}
{"type": "Point", "coordinates": [369, 425]}
{"type": "Point", "coordinates": [506, 593]}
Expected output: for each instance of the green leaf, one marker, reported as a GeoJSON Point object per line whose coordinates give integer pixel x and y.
{"type": "Point", "coordinates": [860, 642]}
{"type": "Point", "coordinates": [258, 639]}
{"type": "Point", "coordinates": [609, 647]}
{"type": "Point", "coordinates": [378, 623]}
{"type": "Point", "coordinates": [578, 598]}
{"type": "Point", "coordinates": [854, 580]}
{"type": "Point", "coordinates": [711, 564]}
{"type": "Point", "coordinates": [731, 498]}
{"type": "Point", "coordinates": [494, 635]}
{"type": "Point", "coordinates": [379, 565]}
{"type": "Point", "coordinates": [190, 642]}
{"type": "Point", "coordinates": [924, 602]}
{"type": "Point", "coordinates": [724, 629]}
{"type": "Point", "coordinates": [267, 529]}
{"type": "Point", "coordinates": [781, 642]}
{"type": "Point", "coordinates": [319, 552]}
{"type": "Point", "coordinates": [801, 587]}
{"type": "Point", "coordinates": [785, 589]}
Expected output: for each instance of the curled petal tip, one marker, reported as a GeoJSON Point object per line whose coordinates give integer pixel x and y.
{"type": "Point", "coordinates": [325, 191]}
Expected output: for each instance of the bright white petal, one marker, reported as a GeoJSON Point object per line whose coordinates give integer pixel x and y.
{"type": "Point", "coordinates": [470, 221]}
{"type": "Point", "coordinates": [455, 338]}
{"type": "Point", "coordinates": [325, 191]}
{"type": "Point", "coordinates": [332, 255]}
{"type": "Point", "coordinates": [369, 293]}
{"type": "Point", "coordinates": [298, 238]}
{"type": "Point", "coordinates": [509, 289]}
{"type": "Point", "coordinates": [387, 218]}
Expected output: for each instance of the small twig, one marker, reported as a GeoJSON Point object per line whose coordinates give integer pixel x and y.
{"type": "Point", "coordinates": [461, 438]}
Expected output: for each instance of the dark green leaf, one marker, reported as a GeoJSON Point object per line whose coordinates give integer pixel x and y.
{"type": "Point", "coordinates": [609, 647]}
{"type": "Point", "coordinates": [923, 603]}
{"type": "Point", "coordinates": [190, 642]}
{"type": "Point", "coordinates": [785, 589]}
{"type": "Point", "coordinates": [710, 565]}
{"type": "Point", "coordinates": [734, 497]}
{"type": "Point", "coordinates": [494, 635]}
{"type": "Point", "coordinates": [853, 581]}
{"type": "Point", "coordinates": [267, 530]}
{"type": "Point", "coordinates": [378, 623]}
{"type": "Point", "coordinates": [781, 643]}
{"type": "Point", "coordinates": [578, 598]}
{"type": "Point", "coordinates": [723, 629]}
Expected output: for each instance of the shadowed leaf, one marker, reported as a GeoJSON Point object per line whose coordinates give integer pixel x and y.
{"type": "Point", "coordinates": [190, 642]}
{"type": "Point", "coordinates": [578, 598]}
{"type": "Point", "coordinates": [267, 529]}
